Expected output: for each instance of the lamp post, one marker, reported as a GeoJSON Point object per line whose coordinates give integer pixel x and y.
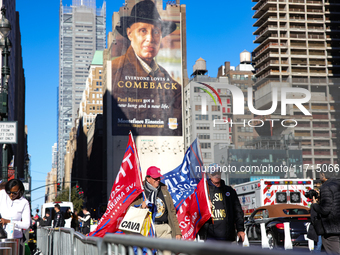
{"type": "Point", "coordinates": [5, 45]}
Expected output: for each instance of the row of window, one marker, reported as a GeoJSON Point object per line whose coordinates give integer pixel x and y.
{"type": "Point", "coordinates": [245, 129]}
{"type": "Point", "coordinates": [98, 95]}
{"type": "Point", "coordinates": [216, 136]}
{"type": "Point", "coordinates": [240, 76]}
{"type": "Point", "coordinates": [94, 108]}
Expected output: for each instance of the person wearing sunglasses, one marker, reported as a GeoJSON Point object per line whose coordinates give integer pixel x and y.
{"type": "Point", "coordinates": [14, 208]}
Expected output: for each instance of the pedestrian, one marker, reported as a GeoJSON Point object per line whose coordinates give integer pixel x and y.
{"type": "Point", "coordinates": [166, 223]}
{"type": "Point", "coordinates": [46, 220]}
{"type": "Point", "coordinates": [329, 211]}
{"type": "Point", "coordinates": [86, 220]}
{"type": "Point", "coordinates": [14, 208]}
{"type": "Point", "coordinates": [74, 221]}
{"type": "Point", "coordinates": [227, 221]}
{"type": "Point", "coordinates": [58, 217]}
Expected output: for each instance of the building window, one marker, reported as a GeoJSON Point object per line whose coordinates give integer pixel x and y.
{"type": "Point", "coordinates": [220, 127]}
{"type": "Point", "coordinates": [215, 108]}
{"type": "Point", "coordinates": [100, 77]}
{"type": "Point", "coordinates": [203, 126]}
{"type": "Point", "coordinates": [216, 117]}
{"type": "Point", "coordinates": [202, 117]}
{"type": "Point", "coordinates": [93, 96]}
{"type": "Point", "coordinates": [100, 71]}
{"type": "Point", "coordinates": [196, 89]}
{"type": "Point", "coordinates": [206, 145]}
{"type": "Point", "coordinates": [203, 136]}
{"type": "Point", "coordinates": [206, 154]}
{"type": "Point", "coordinates": [220, 136]}
{"type": "Point", "coordinates": [100, 83]}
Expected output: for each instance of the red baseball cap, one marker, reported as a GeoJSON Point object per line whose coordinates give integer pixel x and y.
{"type": "Point", "coordinates": [154, 172]}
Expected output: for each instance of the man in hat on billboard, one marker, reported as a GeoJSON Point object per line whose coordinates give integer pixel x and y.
{"type": "Point", "coordinates": [166, 223]}
{"type": "Point", "coordinates": [136, 77]}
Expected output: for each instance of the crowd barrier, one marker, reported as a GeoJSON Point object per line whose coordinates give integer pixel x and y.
{"type": "Point", "coordinates": [61, 241]}
{"type": "Point", "coordinates": [9, 246]}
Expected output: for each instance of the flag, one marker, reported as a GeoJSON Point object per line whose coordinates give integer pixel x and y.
{"type": "Point", "coordinates": [194, 211]}
{"type": "Point", "coordinates": [183, 180]}
{"type": "Point", "coordinates": [189, 192]}
{"type": "Point", "coordinates": [10, 169]}
{"type": "Point", "coordinates": [126, 188]}
{"type": "Point", "coordinates": [11, 164]}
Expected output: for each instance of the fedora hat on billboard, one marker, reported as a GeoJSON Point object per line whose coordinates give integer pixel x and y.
{"type": "Point", "coordinates": [145, 11]}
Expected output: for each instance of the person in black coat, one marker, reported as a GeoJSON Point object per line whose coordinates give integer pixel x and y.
{"type": "Point", "coordinates": [228, 221]}
{"type": "Point", "coordinates": [329, 211]}
{"type": "Point", "coordinates": [46, 220]}
{"type": "Point", "coordinates": [58, 217]}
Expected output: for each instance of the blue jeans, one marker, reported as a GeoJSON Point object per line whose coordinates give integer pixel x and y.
{"type": "Point", "coordinates": [318, 245]}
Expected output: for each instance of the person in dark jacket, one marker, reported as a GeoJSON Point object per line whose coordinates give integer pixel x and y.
{"type": "Point", "coordinates": [46, 220]}
{"type": "Point", "coordinates": [86, 221]}
{"type": "Point", "coordinates": [74, 221]}
{"type": "Point", "coordinates": [58, 217]}
{"type": "Point", "coordinates": [227, 221]}
{"type": "Point", "coordinates": [329, 211]}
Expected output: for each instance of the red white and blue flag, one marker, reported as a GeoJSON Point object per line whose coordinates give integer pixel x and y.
{"type": "Point", "coordinates": [126, 188]}
{"type": "Point", "coordinates": [189, 192]}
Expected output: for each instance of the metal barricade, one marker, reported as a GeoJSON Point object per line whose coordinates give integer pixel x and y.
{"type": "Point", "coordinates": [66, 241]}
{"type": "Point", "coordinates": [13, 244]}
{"type": "Point", "coordinates": [5, 251]}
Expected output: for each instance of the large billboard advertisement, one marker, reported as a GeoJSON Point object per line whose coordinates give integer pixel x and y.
{"type": "Point", "coordinates": [147, 71]}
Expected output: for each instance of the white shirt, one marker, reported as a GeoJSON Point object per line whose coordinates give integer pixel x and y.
{"type": "Point", "coordinates": [17, 210]}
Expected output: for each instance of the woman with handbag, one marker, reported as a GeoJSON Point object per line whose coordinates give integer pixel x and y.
{"type": "Point", "coordinates": [14, 208]}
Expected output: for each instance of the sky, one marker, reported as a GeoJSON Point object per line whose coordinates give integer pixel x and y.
{"type": "Point", "coordinates": [216, 31]}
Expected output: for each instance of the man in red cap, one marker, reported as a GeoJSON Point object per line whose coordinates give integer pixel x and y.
{"type": "Point", "coordinates": [166, 223]}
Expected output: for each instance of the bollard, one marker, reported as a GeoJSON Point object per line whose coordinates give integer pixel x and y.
{"type": "Point", "coordinates": [264, 238]}
{"type": "Point", "coordinates": [288, 240]}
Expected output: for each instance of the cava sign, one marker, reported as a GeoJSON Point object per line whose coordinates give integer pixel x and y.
{"type": "Point", "coordinates": [8, 132]}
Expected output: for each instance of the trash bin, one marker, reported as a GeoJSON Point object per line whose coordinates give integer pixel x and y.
{"type": "Point", "coordinates": [11, 243]}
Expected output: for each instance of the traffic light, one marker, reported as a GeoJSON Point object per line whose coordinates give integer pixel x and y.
{"type": "Point", "coordinates": [81, 193]}
{"type": "Point", "coordinates": [77, 188]}
{"type": "Point", "coordinates": [58, 186]}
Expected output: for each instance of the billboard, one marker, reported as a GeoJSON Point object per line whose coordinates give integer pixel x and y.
{"type": "Point", "coordinates": [146, 70]}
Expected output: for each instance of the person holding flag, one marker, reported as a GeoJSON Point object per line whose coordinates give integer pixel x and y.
{"type": "Point", "coordinates": [227, 212]}
{"type": "Point", "coordinates": [164, 212]}
{"type": "Point", "coordinates": [188, 189]}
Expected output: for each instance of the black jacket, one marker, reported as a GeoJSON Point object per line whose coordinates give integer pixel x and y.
{"type": "Point", "coordinates": [329, 206]}
{"type": "Point", "coordinates": [235, 216]}
{"type": "Point", "coordinates": [47, 222]}
{"type": "Point", "coordinates": [58, 220]}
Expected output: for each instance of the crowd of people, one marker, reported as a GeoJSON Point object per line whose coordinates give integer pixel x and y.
{"type": "Point", "coordinates": [226, 223]}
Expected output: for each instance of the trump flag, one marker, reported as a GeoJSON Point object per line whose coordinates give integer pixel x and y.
{"type": "Point", "coordinates": [189, 192]}
{"type": "Point", "coordinates": [126, 188]}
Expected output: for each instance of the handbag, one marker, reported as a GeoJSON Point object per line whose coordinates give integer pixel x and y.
{"type": "Point", "coordinates": [318, 226]}
{"type": "Point", "coordinates": [136, 220]}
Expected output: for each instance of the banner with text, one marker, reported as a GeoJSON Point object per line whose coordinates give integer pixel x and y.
{"type": "Point", "coordinates": [147, 71]}
{"type": "Point", "coordinates": [127, 186]}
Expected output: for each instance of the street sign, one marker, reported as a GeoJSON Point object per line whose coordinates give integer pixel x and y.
{"type": "Point", "coordinates": [26, 186]}
{"type": "Point", "coordinates": [8, 132]}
